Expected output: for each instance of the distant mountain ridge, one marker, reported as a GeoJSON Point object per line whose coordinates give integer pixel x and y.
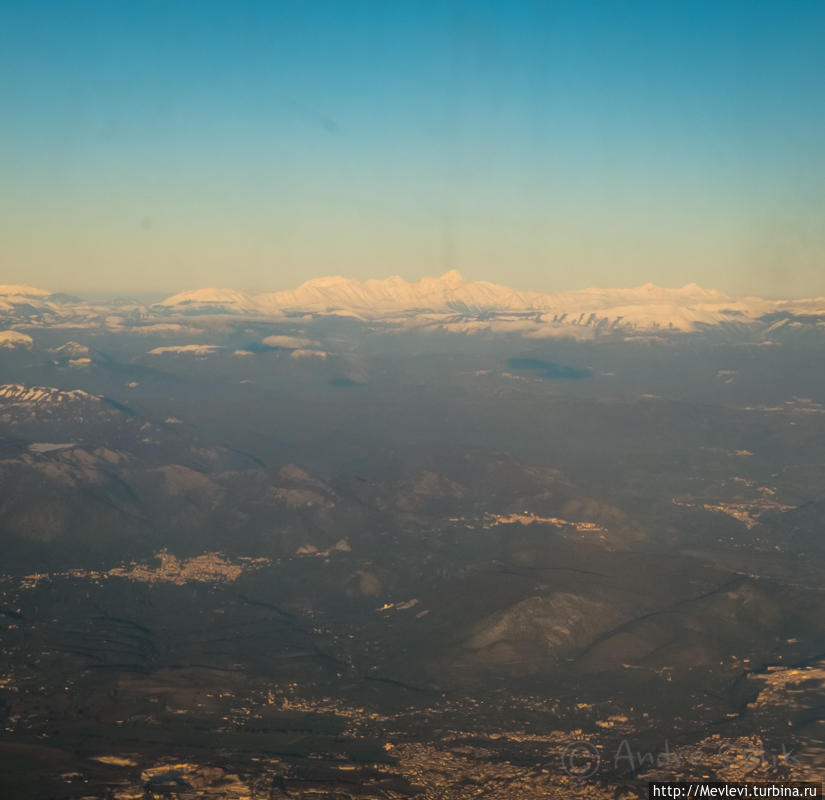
{"type": "Point", "coordinates": [448, 302]}
{"type": "Point", "coordinates": [643, 307]}
{"type": "Point", "coordinates": [448, 292]}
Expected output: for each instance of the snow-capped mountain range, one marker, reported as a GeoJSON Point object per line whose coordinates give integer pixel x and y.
{"type": "Point", "coordinates": [449, 293]}
{"type": "Point", "coordinates": [448, 303]}
{"type": "Point", "coordinates": [463, 305]}
{"type": "Point", "coordinates": [27, 404]}
{"type": "Point", "coordinates": [15, 394]}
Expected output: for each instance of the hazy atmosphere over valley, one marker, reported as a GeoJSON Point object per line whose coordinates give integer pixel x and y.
{"type": "Point", "coordinates": [411, 400]}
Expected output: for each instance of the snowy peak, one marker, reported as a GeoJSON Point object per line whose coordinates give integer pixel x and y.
{"type": "Point", "coordinates": [453, 278]}
{"type": "Point", "coordinates": [15, 394]}
{"type": "Point", "coordinates": [13, 295]}
{"type": "Point", "coordinates": [11, 340]}
{"type": "Point", "coordinates": [46, 414]}
{"type": "Point", "coordinates": [378, 297]}
{"type": "Point", "coordinates": [71, 350]}
{"type": "Point", "coordinates": [22, 291]}
{"type": "Point", "coordinates": [216, 297]}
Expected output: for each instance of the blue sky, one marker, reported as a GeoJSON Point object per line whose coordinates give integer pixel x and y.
{"type": "Point", "coordinates": [549, 145]}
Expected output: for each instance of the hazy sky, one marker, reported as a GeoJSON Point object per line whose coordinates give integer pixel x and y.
{"type": "Point", "coordinates": [549, 145]}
